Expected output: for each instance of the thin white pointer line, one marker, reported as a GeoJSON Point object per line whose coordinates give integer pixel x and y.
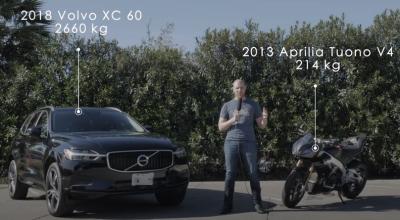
{"type": "Point", "coordinates": [78, 79]}
{"type": "Point", "coordinates": [315, 114]}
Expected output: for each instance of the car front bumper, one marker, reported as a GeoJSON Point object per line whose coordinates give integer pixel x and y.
{"type": "Point", "coordinates": [94, 179]}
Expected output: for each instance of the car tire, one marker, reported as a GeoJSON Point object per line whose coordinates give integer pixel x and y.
{"type": "Point", "coordinates": [171, 197]}
{"type": "Point", "coordinates": [56, 198]}
{"type": "Point", "coordinates": [16, 188]}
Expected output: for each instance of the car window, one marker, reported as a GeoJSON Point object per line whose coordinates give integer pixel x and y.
{"type": "Point", "coordinates": [26, 123]}
{"type": "Point", "coordinates": [42, 122]}
{"type": "Point", "coordinates": [94, 120]}
{"type": "Point", "coordinates": [34, 119]}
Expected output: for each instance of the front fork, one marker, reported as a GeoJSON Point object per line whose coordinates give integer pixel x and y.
{"type": "Point", "coordinates": [310, 176]}
{"type": "Point", "coordinates": [301, 164]}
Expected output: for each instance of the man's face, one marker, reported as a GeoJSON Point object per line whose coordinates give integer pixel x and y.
{"type": "Point", "coordinates": [239, 89]}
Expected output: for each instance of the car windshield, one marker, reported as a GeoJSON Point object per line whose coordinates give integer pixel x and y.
{"type": "Point", "coordinates": [93, 120]}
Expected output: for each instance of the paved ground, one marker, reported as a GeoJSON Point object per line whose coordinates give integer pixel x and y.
{"type": "Point", "coordinates": [380, 200]}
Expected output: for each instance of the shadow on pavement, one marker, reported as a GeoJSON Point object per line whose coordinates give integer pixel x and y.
{"type": "Point", "coordinates": [197, 203]}
{"type": "Point", "coordinates": [40, 197]}
{"type": "Point", "coordinates": [361, 204]}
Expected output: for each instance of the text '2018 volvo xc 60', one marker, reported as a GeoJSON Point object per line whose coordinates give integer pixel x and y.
{"type": "Point", "coordinates": [101, 152]}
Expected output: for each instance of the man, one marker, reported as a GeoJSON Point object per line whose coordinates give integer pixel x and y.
{"type": "Point", "coordinates": [237, 118]}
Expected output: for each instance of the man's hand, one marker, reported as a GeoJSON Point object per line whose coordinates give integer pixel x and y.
{"type": "Point", "coordinates": [236, 116]}
{"type": "Point", "coordinates": [265, 113]}
{"type": "Point", "coordinates": [224, 124]}
{"type": "Point", "coordinates": [262, 121]}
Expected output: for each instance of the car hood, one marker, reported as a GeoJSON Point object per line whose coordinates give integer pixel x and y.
{"type": "Point", "coordinates": [104, 142]}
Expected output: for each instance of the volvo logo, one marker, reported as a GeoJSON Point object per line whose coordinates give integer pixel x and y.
{"type": "Point", "coordinates": [142, 160]}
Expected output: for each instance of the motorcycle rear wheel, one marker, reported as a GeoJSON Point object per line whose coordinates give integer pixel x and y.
{"type": "Point", "coordinates": [352, 190]}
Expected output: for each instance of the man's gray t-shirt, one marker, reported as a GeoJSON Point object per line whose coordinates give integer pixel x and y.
{"type": "Point", "coordinates": [243, 130]}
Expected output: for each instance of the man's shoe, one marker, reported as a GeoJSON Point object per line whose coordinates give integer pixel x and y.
{"type": "Point", "coordinates": [260, 208]}
{"type": "Point", "coordinates": [225, 210]}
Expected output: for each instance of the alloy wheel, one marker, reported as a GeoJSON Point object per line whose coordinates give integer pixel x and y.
{"type": "Point", "coordinates": [53, 189]}
{"type": "Point", "coordinates": [12, 177]}
{"type": "Point", "coordinates": [296, 190]}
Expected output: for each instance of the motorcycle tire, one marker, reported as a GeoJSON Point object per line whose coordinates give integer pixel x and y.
{"type": "Point", "coordinates": [352, 190]}
{"type": "Point", "coordinates": [294, 188]}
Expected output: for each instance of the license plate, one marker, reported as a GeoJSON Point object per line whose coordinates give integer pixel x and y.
{"type": "Point", "coordinates": [142, 179]}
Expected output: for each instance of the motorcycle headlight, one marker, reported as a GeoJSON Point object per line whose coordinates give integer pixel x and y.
{"type": "Point", "coordinates": [77, 154]}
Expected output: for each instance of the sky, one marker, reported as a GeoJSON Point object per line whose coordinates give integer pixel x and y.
{"type": "Point", "coordinates": [192, 18]}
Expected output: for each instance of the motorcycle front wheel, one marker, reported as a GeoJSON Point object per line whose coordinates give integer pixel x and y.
{"type": "Point", "coordinates": [294, 188]}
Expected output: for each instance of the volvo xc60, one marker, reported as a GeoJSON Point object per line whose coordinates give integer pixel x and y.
{"type": "Point", "coordinates": [99, 152]}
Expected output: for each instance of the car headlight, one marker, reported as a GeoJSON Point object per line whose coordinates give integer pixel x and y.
{"type": "Point", "coordinates": [76, 154]}
{"type": "Point", "coordinates": [180, 152]}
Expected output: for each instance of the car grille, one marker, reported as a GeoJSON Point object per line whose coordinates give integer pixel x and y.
{"type": "Point", "coordinates": [127, 161]}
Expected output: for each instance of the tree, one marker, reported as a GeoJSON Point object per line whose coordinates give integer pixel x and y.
{"type": "Point", "coordinates": [19, 40]}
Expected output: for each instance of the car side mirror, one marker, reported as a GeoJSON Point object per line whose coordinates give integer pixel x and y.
{"type": "Point", "coordinates": [148, 128]}
{"type": "Point", "coordinates": [35, 131]}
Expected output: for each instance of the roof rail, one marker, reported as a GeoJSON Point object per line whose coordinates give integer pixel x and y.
{"type": "Point", "coordinates": [49, 107]}
{"type": "Point", "coordinates": [113, 108]}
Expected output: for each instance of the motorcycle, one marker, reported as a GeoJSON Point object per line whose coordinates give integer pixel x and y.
{"type": "Point", "coordinates": [325, 165]}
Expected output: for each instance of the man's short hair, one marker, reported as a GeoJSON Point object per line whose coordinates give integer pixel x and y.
{"type": "Point", "coordinates": [239, 80]}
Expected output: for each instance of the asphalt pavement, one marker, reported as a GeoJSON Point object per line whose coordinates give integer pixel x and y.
{"type": "Point", "coordinates": [379, 200]}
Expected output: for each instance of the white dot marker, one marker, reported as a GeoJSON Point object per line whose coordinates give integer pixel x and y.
{"type": "Point", "coordinates": [78, 111]}
{"type": "Point", "coordinates": [78, 49]}
{"type": "Point", "coordinates": [315, 85]}
{"type": "Point", "coordinates": [315, 148]}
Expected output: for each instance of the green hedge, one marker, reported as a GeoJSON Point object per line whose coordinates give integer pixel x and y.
{"type": "Point", "coordinates": [180, 93]}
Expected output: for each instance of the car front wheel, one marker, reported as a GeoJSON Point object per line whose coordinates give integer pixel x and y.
{"type": "Point", "coordinates": [16, 188]}
{"type": "Point", "coordinates": [56, 199]}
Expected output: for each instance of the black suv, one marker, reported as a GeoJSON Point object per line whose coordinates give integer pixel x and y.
{"type": "Point", "coordinates": [101, 151]}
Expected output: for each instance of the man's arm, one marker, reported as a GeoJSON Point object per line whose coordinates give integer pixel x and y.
{"type": "Point", "coordinates": [263, 119]}
{"type": "Point", "coordinates": [224, 124]}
